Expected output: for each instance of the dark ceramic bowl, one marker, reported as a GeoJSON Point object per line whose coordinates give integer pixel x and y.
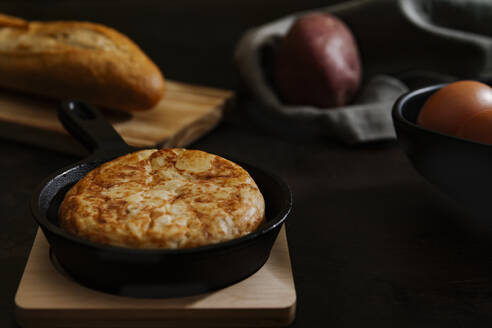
{"type": "Point", "coordinates": [460, 168]}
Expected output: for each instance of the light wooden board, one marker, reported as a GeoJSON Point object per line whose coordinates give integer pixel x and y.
{"type": "Point", "coordinates": [46, 298]}
{"type": "Point", "coordinates": [185, 113]}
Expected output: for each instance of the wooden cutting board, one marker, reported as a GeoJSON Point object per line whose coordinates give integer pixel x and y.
{"type": "Point", "coordinates": [185, 113]}
{"type": "Point", "coordinates": [48, 298]}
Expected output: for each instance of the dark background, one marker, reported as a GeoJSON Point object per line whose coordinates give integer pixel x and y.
{"type": "Point", "coordinates": [372, 243]}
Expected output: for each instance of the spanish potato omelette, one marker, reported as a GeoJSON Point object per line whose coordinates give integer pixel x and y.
{"type": "Point", "coordinates": [168, 198]}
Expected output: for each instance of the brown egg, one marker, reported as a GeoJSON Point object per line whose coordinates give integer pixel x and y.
{"type": "Point", "coordinates": [447, 109]}
{"type": "Point", "coordinates": [478, 127]}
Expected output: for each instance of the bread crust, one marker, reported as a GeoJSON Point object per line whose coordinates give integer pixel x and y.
{"type": "Point", "coordinates": [170, 198]}
{"type": "Point", "coordinates": [88, 61]}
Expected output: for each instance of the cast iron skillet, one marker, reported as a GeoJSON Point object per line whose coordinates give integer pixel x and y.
{"type": "Point", "coordinates": [155, 272]}
{"type": "Point", "coordinates": [460, 168]}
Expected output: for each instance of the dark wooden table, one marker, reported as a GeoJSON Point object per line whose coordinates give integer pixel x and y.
{"type": "Point", "coordinates": [372, 243]}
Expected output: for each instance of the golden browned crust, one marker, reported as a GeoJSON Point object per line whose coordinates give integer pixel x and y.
{"type": "Point", "coordinates": [172, 198]}
{"type": "Point", "coordinates": [77, 60]}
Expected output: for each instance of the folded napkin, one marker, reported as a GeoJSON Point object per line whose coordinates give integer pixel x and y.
{"type": "Point", "coordinates": [403, 44]}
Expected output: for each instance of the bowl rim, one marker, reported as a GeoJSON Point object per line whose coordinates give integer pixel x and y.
{"type": "Point", "coordinates": [400, 104]}
{"type": "Point", "coordinates": [266, 228]}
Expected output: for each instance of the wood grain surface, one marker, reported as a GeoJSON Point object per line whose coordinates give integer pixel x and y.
{"type": "Point", "coordinates": [184, 114]}
{"type": "Point", "coordinates": [47, 298]}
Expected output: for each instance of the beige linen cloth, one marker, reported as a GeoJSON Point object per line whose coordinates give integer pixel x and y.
{"type": "Point", "coordinates": [404, 44]}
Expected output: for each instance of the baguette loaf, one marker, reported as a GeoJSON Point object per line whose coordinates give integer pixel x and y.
{"type": "Point", "coordinates": [77, 60]}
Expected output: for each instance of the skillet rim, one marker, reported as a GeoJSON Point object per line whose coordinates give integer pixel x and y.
{"type": "Point", "coordinates": [266, 228]}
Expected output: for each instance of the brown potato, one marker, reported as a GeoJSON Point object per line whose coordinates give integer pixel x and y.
{"type": "Point", "coordinates": [317, 63]}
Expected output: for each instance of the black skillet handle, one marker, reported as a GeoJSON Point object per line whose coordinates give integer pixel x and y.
{"type": "Point", "coordinates": [87, 124]}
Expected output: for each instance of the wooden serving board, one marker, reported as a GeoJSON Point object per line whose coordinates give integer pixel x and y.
{"type": "Point", "coordinates": [47, 298]}
{"type": "Point", "coordinates": [185, 113]}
